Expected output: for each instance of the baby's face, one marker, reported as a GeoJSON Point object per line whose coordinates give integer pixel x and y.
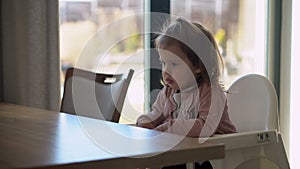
{"type": "Point", "coordinates": [178, 71]}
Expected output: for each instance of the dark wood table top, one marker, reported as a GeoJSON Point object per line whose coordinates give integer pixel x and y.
{"type": "Point", "coordinates": [37, 138]}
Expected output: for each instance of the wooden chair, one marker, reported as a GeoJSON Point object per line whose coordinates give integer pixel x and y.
{"type": "Point", "coordinates": [95, 95]}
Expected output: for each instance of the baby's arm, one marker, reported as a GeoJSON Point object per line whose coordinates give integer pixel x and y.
{"type": "Point", "coordinates": [150, 120]}
{"type": "Point", "coordinates": [189, 127]}
{"type": "Point", "coordinates": [155, 117]}
{"type": "Point", "coordinates": [148, 125]}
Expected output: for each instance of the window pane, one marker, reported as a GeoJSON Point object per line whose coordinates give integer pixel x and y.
{"type": "Point", "coordinates": [295, 91]}
{"type": "Point", "coordinates": [85, 32]}
{"type": "Point", "coordinates": [239, 27]}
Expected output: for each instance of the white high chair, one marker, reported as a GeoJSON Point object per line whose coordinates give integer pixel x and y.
{"type": "Point", "coordinates": [252, 106]}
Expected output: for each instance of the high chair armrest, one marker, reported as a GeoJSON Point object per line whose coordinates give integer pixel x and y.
{"type": "Point", "coordinates": [245, 139]}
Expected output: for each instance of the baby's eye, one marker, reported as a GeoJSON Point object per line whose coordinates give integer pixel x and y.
{"type": "Point", "coordinates": [174, 64]}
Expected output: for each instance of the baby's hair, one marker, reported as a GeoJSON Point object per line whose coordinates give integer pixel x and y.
{"type": "Point", "coordinates": [199, 45]}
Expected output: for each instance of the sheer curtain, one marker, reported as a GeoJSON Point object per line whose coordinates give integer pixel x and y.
{"type": "Point", "coordinates": [30, 65]}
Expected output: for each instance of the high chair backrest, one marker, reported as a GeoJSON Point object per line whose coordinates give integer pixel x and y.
{"type": "Point", "coordinates": [95, 95]}
{"type": "Point", "coordinates": [252, 103]}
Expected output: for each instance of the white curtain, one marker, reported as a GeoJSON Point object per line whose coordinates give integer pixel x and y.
{"type": "Point", "coordinates": [30, 53]}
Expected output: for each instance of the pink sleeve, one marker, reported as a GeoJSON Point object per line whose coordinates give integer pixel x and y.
{"type": "Point", "coordinates": [156, 116]}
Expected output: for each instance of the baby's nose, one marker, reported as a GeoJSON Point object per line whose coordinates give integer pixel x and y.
{"type": "Point", "coordinates": [167, 71]}
{"type": "Point", "coordinates": [167, 74]}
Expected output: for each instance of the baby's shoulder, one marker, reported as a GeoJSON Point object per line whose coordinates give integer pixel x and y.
{"type": "Point", "coordinates": [213, 87]}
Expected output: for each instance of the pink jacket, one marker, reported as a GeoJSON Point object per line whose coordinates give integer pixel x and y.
{"type": "Point", "coordinates": [202, 112]}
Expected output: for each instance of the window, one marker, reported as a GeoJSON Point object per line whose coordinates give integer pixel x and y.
{"type": "Point", "coordinates": [239, 27]}
{"type": "Point", "coordinates": [295, 82]}
{"type": "Point", "coordinates": [84, 35]}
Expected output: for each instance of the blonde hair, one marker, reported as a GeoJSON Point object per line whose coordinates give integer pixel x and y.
{"type": "Point", "coordinates": [198, 43]}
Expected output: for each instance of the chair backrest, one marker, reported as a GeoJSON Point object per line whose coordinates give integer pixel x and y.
{"type": "Point", "coordinates": [252, 103]}
{"type": "Point", "coordinates": [95, 95]}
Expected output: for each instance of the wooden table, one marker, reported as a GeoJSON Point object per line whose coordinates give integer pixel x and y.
{"type": "Point", "coordinates": [37, 138]}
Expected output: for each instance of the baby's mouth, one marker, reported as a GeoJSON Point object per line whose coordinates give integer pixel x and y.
{"type": "Point", "coordinates": [169, 81]}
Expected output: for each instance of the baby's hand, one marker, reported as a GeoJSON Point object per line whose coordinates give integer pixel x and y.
{"type": "Point", "coordinates": [163, 127]}
{"type": "Point", "coordinates": [146, 125]}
